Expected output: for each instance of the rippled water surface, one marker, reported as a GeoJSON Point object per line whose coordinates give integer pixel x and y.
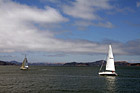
{"type": "Point", "coordinates": [43, 79]}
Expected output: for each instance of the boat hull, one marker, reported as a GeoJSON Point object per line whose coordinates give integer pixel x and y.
{"type": "Point", "coordinates": [23, 68]}
{"type": "Point", "coordinates": [107, 74]}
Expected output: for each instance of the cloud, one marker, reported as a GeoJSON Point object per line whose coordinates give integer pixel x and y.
{"type": "Point", "coordinates": [56, 55]}
{"type": "Point", "coordinates": [132, 47]}
{"type": "Point", "coordinates": [138, 4]}
{"type": "Point", "coordinates": [86, 9]}
{"type": "Point", "coordinates": [18, 32]}
{"type": "Point", "coordinates": [132, 24]}
{"type": "Point", "coordinates": [7, 56]}
{"type": "Point", "coordinates": [83, 23]}
{"type": "Point", "coordinates": [89, 23]}
{"type": "Point", "coordinates": [30, 14]}
{"type": "Point", "coordinates": [105, 24]}
{"type": "Point", "coordinates": [124, 10]}
{"type": "Point", "coordinates": [17, 29]}
{"type": "Point", "coordinates": [129, 48]}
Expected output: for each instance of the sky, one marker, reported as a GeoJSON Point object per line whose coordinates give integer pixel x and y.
{"type": "Point", "coordinates": [55, 31]}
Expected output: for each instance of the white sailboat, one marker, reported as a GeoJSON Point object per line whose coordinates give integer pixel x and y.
{"type": "Point", "coordinates": [24, 65]}
{"type": "Point", "coordinates": [110, 67]}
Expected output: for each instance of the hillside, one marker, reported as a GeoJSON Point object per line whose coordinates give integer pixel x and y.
{"type": "Point", "coordinates": [96, 63]}
{"type": "Point", "coordinates": [6, 63]}
{"type": "Point", "coordinates": [99, 63]}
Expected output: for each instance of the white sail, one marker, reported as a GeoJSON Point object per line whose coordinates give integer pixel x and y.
{"type": "Point", "coordinates": [26, 63]}
{"type": "Point", "coordinates": [110, 60]}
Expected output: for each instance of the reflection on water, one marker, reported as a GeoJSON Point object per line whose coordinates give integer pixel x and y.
{"type": "Point", "coordinates": [111, 83]}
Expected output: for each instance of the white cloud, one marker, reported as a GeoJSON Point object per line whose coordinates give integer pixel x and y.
{"type": "Point", "coordinates": [124, 10]}
{"type": "Point", "coordinates": [25, 13]}
{"type": "Point", "coordinates": [105, 24]}
{"type": "Point", "coordinates": [138, 4]}
{"type": "Point", "coordinates": [18, 32]}
{"type": "Point", "coordinates": [86, 9]}
{"type": "Point", "coordinates": [89, 23]}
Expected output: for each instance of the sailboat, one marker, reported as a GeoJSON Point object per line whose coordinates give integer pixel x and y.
{"type": "Point", "coordinates": [24, 65]}
{"type": "Point", "coordinates": [110, 67]}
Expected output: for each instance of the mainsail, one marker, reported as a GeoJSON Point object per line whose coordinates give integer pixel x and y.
{"type": "Point", "coordinates": [110, 60]}
{"type": "Point", "coordinates": [24, 64]}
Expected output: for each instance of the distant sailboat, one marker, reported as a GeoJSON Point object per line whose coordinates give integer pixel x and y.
{"type": "Point", "coordinates": [110, 67]}
{"type": "Point", "coordinates": [24, 65]}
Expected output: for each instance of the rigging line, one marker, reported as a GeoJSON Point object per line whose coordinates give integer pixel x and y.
{"type": "Point", "coordinates": [105, 59]}
{"type": "Point", "coordinates": [101, 66]}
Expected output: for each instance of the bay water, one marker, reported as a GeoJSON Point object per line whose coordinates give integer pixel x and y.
{"type": "Point", "coordinates": [44, 79]}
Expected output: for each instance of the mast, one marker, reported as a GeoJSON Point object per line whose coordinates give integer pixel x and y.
{"type": "Point", "coordinates": [110, 60]}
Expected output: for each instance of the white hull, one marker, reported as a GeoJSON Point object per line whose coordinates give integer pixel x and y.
{"type": "Point", "coordinates": [26, 67]}
{"type": "Point", "coordinates": [107, 73]}
{"type": "Point", "coordinates": [23, 68]}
